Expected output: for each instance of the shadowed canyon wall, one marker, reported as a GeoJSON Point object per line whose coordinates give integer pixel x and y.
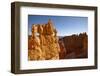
{"type": "Point", "coordinates": [76, 46]}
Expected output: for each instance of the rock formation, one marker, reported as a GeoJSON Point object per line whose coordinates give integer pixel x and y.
{"type": "Point", "coordinates": [34, 50]}
{"type": "Point", "coordinates": [43, 43]}
{"type": "Point", "coordinates": [63, 52]}
{"type": "Point", "coordinates": [76, 46]}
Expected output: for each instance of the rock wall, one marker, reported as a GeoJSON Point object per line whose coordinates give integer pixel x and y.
{"type": "Point", "coordinates": [76, 46]}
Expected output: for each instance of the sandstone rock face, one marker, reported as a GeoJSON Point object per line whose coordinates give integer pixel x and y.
{"type": "Point", "coordinates": [76, 46]}
{"type": "Point", "coordinates": [63, 52]}
{"type": "Point", "coordinates": [43, 43]}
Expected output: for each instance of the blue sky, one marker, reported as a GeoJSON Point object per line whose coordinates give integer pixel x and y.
{"type": "Point", "coordinates": [65, 25]}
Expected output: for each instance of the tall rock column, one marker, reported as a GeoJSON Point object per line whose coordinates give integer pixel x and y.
{"type": "Point", "coordinates": [52, 46]}
{"type": "Point", "coordinates": [35, 53]}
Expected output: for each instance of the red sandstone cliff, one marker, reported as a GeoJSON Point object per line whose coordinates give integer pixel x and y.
{"type": "Point", "coordinates": [76, 46]}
